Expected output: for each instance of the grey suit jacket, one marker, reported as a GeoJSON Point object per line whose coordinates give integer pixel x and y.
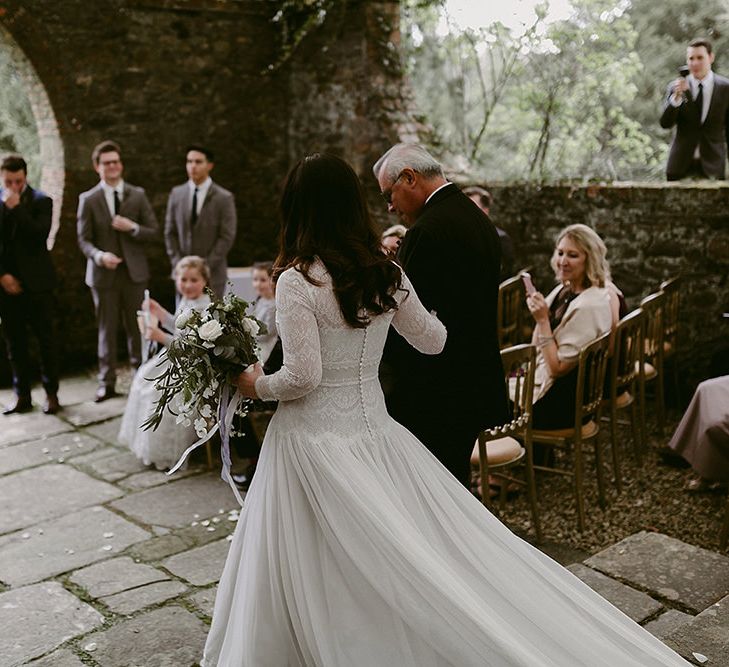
{"type": "Point", "coordinates": [96, 235]}
{"type": "Point", "coordinates": [213, 235]}
{"type": "Point", "coordinates": [711, 136]}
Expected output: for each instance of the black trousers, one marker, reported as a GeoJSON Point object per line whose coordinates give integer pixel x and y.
{"type": "Point", "coordinates": [32, 311]}
{"type": "Point", "coordinates": [445, 433]}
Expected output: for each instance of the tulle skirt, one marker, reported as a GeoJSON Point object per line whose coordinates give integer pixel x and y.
{"type": "Point", "coordinates": [358, 552]}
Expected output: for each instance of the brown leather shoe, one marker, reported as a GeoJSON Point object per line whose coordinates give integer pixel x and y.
{"type": "Point", "coordinates": [21, 404]}
{"type": "Point", "coordinates": [104, 394]}
{"type": "Point", "coordinates": [51, 406]}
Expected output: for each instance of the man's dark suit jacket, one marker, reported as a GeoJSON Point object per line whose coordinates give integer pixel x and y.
{"type": "Point", "coordinates": [24, 234]}
{"type": "Point", "coordinates": [452, 257]}
{"type": "Point", "coordinates": [711, 137]}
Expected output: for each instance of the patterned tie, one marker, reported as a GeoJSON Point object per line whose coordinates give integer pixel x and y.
{"type": "Point", "coordinates": [117, 203]}
{"type": "Point", "coordinates": [193, 213]}
{"type": "Point", "coordinates": [700, 102]}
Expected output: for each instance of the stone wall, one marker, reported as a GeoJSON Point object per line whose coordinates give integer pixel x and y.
{"type": "Point", "coordinates": [156, 75]}
{"type": "Point", "coordinates": [652, 231]}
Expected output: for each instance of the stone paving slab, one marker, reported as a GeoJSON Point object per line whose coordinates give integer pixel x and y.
{"type": "Point", "coordinates": [145, 596]}
{"type": "Point", "coordinates": [667, 568]}
{"type": "Point", "coordinates": [61, 658]}
{"type": "Point", "coordinates": [29, 426]}
{"type": "Point", "coordinates": [149, 478]}
{"type": "Point", "coordinates": [30, 496]}
{"type": "Point", "coordinates": [166, 637]}
{"type": "Point", "coordinates": [64, 544]}
{"type": "Point", "coordinates": [36, 619]}
{"type": "Point", "coordinates": [72, 390]}
{"type": "Point", "coordinates": [116, 575]}
{"type": "Point", "coordinates": [36, 452]}
{"type": "Point", "coordinates": [89, 412]}
{"type": "Point", "coordinates": [707, 634]}
{"type": "Point", "coordinates": [107, 431]}
{"type": "Point", "coordinates": [158, 548]}
{"type": "Point", "coordinates": [117, 465]}
{"type": "Point", "coordinates": [201, 566]}
{"type": "Point", "coordinates": [632, 603]}
{"type": "Point", "coordinates": [667, 622]}
{"type": "Point", "coordinates": [204, 600]}
{"type": "Point", "coordinates": [176, 505]}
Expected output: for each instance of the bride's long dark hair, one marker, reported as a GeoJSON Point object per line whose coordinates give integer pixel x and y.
{"type": "Point", "coordinates": [324, 214]}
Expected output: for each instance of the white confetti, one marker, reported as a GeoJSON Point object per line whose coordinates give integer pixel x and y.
{"type": "Point", "coordinates": [61, 460]}
{"type": "Point", "coordinates": [232, 518]}
{"type": "Point", "coordinates": [195, 516]}
{"type": "Point", "coordinates": [90, 647]}
{"type": "Point", "coordinates": [211, 529]}
{"type": "Point", "coordinates": [108, 535]}
{"type": "Point", "coordinates": [45, 450]}
{"type": "Point", "coordinates": [700, 657]}
{"type": "Point", "coordinates": [195, 523]}
{"type": "Point", "coordinates": [70, 551]}
{"type": "Point", "coordinates": [206, 522]}
{"type": "Point", "coordinates": [66, 449]}
{"type": "Point", "coordinates": [229, 538]}
{"type": "Point", "coordinates": [221, 511]}
{"type": "Point", "coordinates": [25, 536]}
{"type": "Point", "coordinates": [106, 547]}
{"type": "Point", "coordinates": [216, 520]}
{"type": "Point", "coordinates": [77, 438]}
{"type": "Point", "coordinates": [40, 531]}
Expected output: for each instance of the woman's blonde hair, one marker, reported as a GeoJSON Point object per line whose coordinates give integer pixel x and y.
{"type": "Point", "coordinates": [597, 269]}
{"type": "Point", "coordinates": [193, 262]}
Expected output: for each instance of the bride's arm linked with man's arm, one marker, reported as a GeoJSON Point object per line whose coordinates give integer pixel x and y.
{"type": "Point", "coordinates": [302, 368]}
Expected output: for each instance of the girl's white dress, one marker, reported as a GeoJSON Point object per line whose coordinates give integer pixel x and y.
{"type": "Point", "coordinates": [164, 446]}
{"type": "Point", "coordinates": [357, 548]}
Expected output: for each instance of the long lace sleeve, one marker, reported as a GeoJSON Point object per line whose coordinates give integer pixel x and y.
{"type": "Point", "coordinates": [423, 330]}
{"type": "Point", "coordinates": [297, 327]}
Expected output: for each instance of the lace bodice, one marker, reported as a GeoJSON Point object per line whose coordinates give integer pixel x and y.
{"type": "Point", "coordinates": [330, 367]}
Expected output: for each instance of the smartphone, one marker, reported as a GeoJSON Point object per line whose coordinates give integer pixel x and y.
{"type": "Point", "coordinates": [683, 71]}
{"type": "Point", "coordinates": [528, 284]}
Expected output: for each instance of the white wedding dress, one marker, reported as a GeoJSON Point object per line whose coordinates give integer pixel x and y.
{"type": "Point", "coordinates": [356, 548]}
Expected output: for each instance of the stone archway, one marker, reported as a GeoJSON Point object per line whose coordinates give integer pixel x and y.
{"type": "Point", "coordinates": [51, 147]}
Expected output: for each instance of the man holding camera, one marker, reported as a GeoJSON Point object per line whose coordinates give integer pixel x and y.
{"type": "Point", "coordinates": [697, 103]}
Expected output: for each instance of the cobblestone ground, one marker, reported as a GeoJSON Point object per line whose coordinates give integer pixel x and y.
{"type": "Point", "coordinates": [105, 562]}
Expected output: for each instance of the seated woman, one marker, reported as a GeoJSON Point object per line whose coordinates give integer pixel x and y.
{"type": "Point", "coordinates": [582, 307]}
{"type": "Point", "coordinates": [702, 437]}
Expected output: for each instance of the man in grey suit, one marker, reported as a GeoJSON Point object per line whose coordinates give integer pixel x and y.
{"type": "Point", "coordinates": [201, 219]}
{"type": "Point", "coordinates": [115, 222]}
{"type": "Point", "coordinates": [698, 105]}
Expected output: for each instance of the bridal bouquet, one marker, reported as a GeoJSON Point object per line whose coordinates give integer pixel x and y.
{"type": "Point", "coordinates": [214, 346]}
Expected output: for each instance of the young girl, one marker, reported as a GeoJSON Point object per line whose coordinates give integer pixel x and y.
{"type": "Point", "coordinates": [264, 307]}
{"type": "Point", "coordinates": [271, 357]}
{"type": "Point", "coordinates": [162, 447]}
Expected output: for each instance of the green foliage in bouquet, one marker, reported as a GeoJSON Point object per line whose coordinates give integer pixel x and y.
{"type": "Point", "coordinates": [215, 345]}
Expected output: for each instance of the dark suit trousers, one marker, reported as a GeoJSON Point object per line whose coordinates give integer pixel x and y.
{"type": "Point", "coordinates": [34, 311]}
{"type": "Point", "coordinates": [121, 300]}
{"type": "Point", "coordinates": [446, 435]}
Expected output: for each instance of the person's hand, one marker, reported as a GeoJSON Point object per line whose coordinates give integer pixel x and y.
{"type": "Point", "coordinates": [110, 261]}
{"type": "Point", "coordinates": [538, 307]}
{"type": "Point", "coordinates": [10, 284]}
{"type": "Point", "coordinates": [246, 381]}
{"type": "Point", "coordinates": [122, 224]}
{"type": "Point", "coordinates": [154, 308]}
{"type": "Point", "coordinates": [156, 334]}
{"type": "Point", "coordinates": [12, 199]}
{"type": "Point", "coordinates": [680, 86]}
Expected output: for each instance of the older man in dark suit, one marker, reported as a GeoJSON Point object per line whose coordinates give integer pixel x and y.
{"type": "Point", "coordinates": [698, 106]}
{"type": "Point", "coordinates": [451, 254]}
{"type": "Point", "coordinates": [26, 284]}
{"type": "Point", "coordinates": [201, 219]}
{"type": "Point", "coordinates": [115, 224]}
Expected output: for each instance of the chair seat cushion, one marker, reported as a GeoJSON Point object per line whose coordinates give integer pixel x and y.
{"type": "Point", "coordinates": [623, 400]}
{"type": "Point", "coordinates": [649, 370]}
{"type": "Point", "coordinates": [588, 430]}
{"type": "Point", "coordinates": [499, 452]}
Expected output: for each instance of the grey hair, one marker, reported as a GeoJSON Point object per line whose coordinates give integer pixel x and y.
{"type": "Point", "coordinates": [404, 156]}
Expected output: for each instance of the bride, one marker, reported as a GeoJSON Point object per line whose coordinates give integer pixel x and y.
{"type": "Point", "coordinates": [356, 547]}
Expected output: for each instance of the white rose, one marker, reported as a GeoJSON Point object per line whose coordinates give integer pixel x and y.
{"type": "Point", "coordinates": [210, 331]}
{"type": "Point", "coordinates": [183, 318]}
{"type": "Point", "coordinates": [251, 326]}
{"type": "Point", "coordinates": [201, 427]}
{"type": "Point", "coordinates": [206, 411]}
